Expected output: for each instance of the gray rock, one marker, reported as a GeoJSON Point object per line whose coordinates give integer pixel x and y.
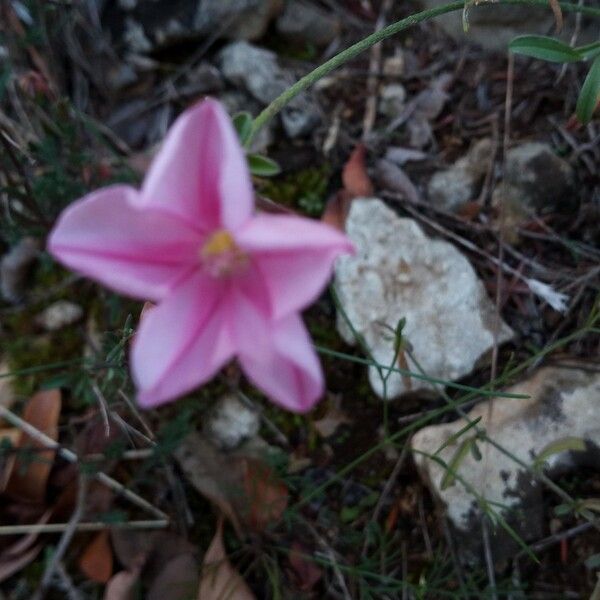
{"type": "Point", "coordinates": [399, 272]}
{"type": "Point", "coordinates": [451, 188]}
{"type": "Point", "coordinates": [230, 423]}
{"type": "Point", "coordinates": [303, 22]}
{"type": "Point", "coordinates": [392, 100]}
{"type": "Point", "coordinates": [258, 72]}
{"type": "Point", "coordinates": [58, 315]}
{"type": "Point", "coordinates": [543, 181]}
{"type": "Point", "coordinates": [202, 79]}
{"type": "Point", "coordinates": [493, 27]}
{"type": "Point", "coordinates": [562, 403]}
{"type": "Point", "coordinates": [15, 266]}
{"type": "Point", "coordinates": [152, 25]}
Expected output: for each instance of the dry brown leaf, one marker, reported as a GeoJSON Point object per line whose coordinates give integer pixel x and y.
{"type": "Point", "coordinates": [354, 175]}
{"type": "Point", "coordinates": [177, 580]}
{"type": "Point", "coordinates": [266, 495]}
{"type": "Point", "coordinates": [219, 580]}
{"type": "Point", "coordinates": [558, 16]}
{"type": "Point", "coordinates": [331, 420]}
{"type": "Point", "coordinates": [336, 210]}
{"type": "Point", "coordinates": [9, 565]}
{"type": "Point", "coordinates": [122, 585]}
{"type": "Point", "coordinates": [96, 562]}
{"type": "Point", "coordinates": [306, 572]}
{"type": "Point", "coordinates": [30, 473]}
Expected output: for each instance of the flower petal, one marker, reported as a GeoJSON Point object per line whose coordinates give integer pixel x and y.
{"type": "Point", "coordinates": [295, 256]}
{"type": "Point", "coordinates": [138, 252]}
{"type": "Point", "coordinates": [201, 172]}
{"type": "Point", "coordinates": [284, 365]}
{"type": "Point", "coordinates": [181, 343]}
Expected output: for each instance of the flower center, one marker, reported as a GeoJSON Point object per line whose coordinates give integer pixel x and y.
{"type": "Point", "coordinates": [221, 256]}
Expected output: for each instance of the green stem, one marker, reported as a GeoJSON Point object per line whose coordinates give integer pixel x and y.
{"type": "Point", "coordinates": [333, 63]}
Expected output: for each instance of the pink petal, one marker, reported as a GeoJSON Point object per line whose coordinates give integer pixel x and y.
{"type": "Point", "coordinates": [283, 364]}
{"type": "Point", "coordinates": [181, 343]}
{"type": "Point", "coordinates": [201, 171]}
{"type": "Point", "coordinates": [294, 255]}
{"type": "Point", "coordinates": [141, 253]}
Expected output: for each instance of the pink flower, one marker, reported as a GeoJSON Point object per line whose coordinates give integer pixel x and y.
{"type": "Point", "coordinates": [227, 282]}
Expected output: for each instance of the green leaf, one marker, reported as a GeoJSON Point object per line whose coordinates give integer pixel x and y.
{"type": "Point", "coordinates": [242, 122]}
{"type": "Point", "coordinates": [573, 444]}
{"type": "Point", "coordinates": [455, 436]}
{"type": "Point", "coordinates": [546, 48]}
{"type": "Point", "coordinates": [460, 454]}
{"type": "Point", "coordinates": [262, 166]}
{"type": "Point", "coordinates": [593, 562]}
{"type": "Point", "coordinates": [589, 51]}
{"type": "Point", "coordinates": [589, 94]}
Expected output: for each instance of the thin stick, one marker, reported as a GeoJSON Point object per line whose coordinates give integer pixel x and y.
{"type": "Point", "coordinates": [65, 539]}
{"type": "Point", "coordinates": [71, 457]}
{"type": "Point", "coordinates": [39, 528]}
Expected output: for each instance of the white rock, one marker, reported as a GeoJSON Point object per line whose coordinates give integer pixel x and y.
{"type": "Point", "coordinates": [398, 272]}
{"type": "Point", "coordinates": [392, 99]}
{"type": "Point", "coordinates": [59, 314]}
{"type": "Point", "coordinates": [230, 423]}
{"type": "Point", "coordinates": [258, 72]}
{"type": "Point", "coordinates": [563, 403]}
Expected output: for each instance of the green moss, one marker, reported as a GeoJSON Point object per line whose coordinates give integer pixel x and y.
{"type": "Point", "coordinates": [305, 190]}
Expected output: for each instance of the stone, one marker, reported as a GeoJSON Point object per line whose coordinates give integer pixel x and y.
{"type": "Point", "coordinates": [562, 403]}
{"type": "Point", "coordinates": [392, 100]}
{"type": "Point", "coordinates": [398, 272]}
{"type": "Point", "coordinates": [15, 266]}
{"type": "Point", "coordinates": [58, 315]}
{"type": "Point", "coordinates": [493, 27]}
{"type": "Point", "coordinates": [257, 71]}
{"type": "Point", "coordinates": [230, 423]}
{"type": "Point", "coordinates": [202, 79]}
{"type": "Point", "coordinates": [304, 23]}
{"type": "Point", "coordinates": [451, 188]}
{"type": "Point", "coordinates": [543, 181]}
{"type": "Point", "coordinates": [150, 26]}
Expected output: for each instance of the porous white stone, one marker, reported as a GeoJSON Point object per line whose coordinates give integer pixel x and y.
{"type": "Point", "coordinates": [59, 314]}
{"type": "Point", "coordinates": [562, 403]}
{"type": "Point", "coordinates": [398, 272]}
{"type": "Point", "coordinates": [231, 422]}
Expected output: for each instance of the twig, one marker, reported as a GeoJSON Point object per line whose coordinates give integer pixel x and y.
{"type": "Point", "coordinates": [38, 528]}
{"type": "Point", "coordinates": [373, 80]}
{"type": "Point", "coordinates": [71, 457]}
{"type": "Point", "coordinates": [489, 559]}
{"type": "Point", "coordinates": [65, 539]}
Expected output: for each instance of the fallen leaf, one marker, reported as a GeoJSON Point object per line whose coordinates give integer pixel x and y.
{"type": "Point", "coordinates": [334, 417]}
{"type": "Point", "coordinates": [355, 178]}
{"type": "Point", "coordinates": [392, 178]}
{"type": "Point", "coordinates": [96, 562]}
{"type": "Point", "coordinates": [177, 580]}
{"type": "Point", "coordinates": [306, 572]}
{"type": "Point", "coordinates": [336, 210]}
{"type": "Point", "coordinates": [10, 565]}
{"type": "Point", "coordinates": [219, 580]}
{"type": "Point", "coordinates": [30, 472]}
{"type": "Point", "coordinates": [266, 495]}
{"type": "Point", "coordinates": [122, 585]}
{"type": "Point", "coordinates": [558, 16]}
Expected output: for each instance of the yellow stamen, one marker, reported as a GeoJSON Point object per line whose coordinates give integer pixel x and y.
{"type": "Point", "coordinates": [219, 242]}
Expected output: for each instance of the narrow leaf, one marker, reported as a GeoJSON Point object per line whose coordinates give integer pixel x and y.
{"type": "Point", "coordinates": [460, 454]}
{"type": "Point", "coordinates": [574, 444]}
{"type": "Point", "coordinates": [589, 94]}
{"type": "Point", "coordinates": [456, 436]}
{"type": "Point", "coordinates": [243, 125]}
{"type": "Point", "coordinates": [262, 166]}
{"type": "Point", "coordinates": [546, 48]}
